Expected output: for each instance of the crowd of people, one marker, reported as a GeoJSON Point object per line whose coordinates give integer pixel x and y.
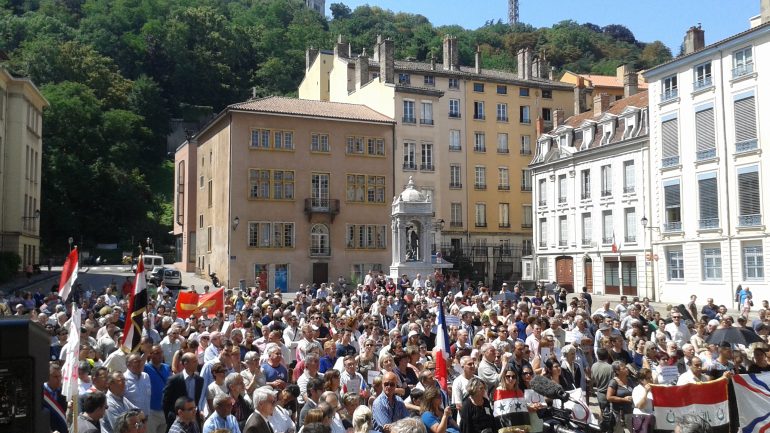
{"type": "Point", "coordinates": [359, 358]}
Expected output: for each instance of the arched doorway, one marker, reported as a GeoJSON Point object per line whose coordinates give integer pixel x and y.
{"type": "Point", "coordinates": [588, 274]}
{"type": "Point", "coordinates": [565, 273]}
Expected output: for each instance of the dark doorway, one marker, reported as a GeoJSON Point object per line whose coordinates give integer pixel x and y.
{"type": "Point", "coordinates": [320, 273]}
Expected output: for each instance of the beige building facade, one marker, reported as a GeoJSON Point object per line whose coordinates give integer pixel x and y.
{"type": "Point", "coordinates": [21, 148]}
{"type": "Point", "coordinates": [464, 134]}
{"type": "Point", "coordinates": [288, 192]}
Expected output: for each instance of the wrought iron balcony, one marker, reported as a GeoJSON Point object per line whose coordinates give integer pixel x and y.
{"type": "Point", "coordinates": [524, 151]}
{"type": "Point", "coordinates": [606, 192]}
{"type": "Point", "coordinates": [742, 70]}
{"type": "Point", "coordinates": [708, 223]}
{"type": "Point", "coordinates": [478, 148]}
{"type": "Point", "coordinates": [480, 186]}
{"type": "Point", "coordinates": [427, 167]}
{"type": "Point", "coordinates": [753, 220]}
{"type": "Point", "coordinates": [504, 225]}
{"type": "Point", "coordinates": [526, 225]}
{"type": "Point", "coordinates": [746, 146]}
{"type": "Point", "coordinates": [501, 150]}
{"type": "Point", "coordinates": [477, 116]}
{"type": "Point", "coordinates": [409, 119]}
{"type": "Point", "coordinates": [629, 189]}
{"type": "Point", "coordinates": [410, 166]}
{"type": "Point", "coordinates": [455, 148]}
{"type": "Point", "coordinates": [455, 185]}
{"type": "Point", "coordinates": [426, 121]}
{"type": "Point", "coordinates": [672, 227]}
{"type": "Point", "coordinates": [586, 242]}
{"type": "Point", "coordinates": [631, 239]}
{"type": "Point", "coordinates": [542, 202]}
{"type": "Point", "coordinates": [562, 243]}
{"type": "Point", "coordinates": [481, 224]}
{"type": "Point", "coordinates": [669, 161]}
{"type": "Point", "coordinates": [503, 187]}
{"type": "Point", "coordinates": [322, 251]}
{"type": "Point", "coordinates": [607, 241]}
{"type": "Point", "coordinates": [525, 187]}
{"type": "Point", "coordinates": [703, 83]}
{"type": "Point", "coordinates": [585, 196]}
{"type": "Point", "coordinates": [454, 115]}
{"type": "Point", "coordinates": [669, 94]}
{"type": "Point", "coordinates": [322, 206]}
{"type": "Point", "coordinates": [502, 118]}
{"type": "Point", "coordinates": [455, 224]}
{"type": "Point", "coordinates": [542, 244]}
{"type": "Point", "coordinates": [562, 200]}
{"type": "Point", "coordinates": [702, 155]}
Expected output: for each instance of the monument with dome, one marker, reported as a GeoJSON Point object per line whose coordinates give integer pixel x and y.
{"type": "Point", "coordinates": [412, 224]}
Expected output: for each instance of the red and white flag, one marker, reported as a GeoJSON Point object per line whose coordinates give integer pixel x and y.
{"type": "Point", "coordinates": [707, 400]}
{"type": "Point", "coordinates": [70, 368]}
{"type": "Point", "coordinates": [69, 274]}
{"type": "Point", "coordinates": [441, 349]}
{"type": "Point", "coordinates": [752, 393]}
{"type": "Point", "coordinates": [132, 332]}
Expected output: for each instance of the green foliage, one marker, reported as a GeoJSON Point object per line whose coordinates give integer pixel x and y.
{"type": "Point", "coordinates": [10, 263]}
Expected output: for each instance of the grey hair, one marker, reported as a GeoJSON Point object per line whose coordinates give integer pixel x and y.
{"type": "Point", "coordinates": [474, 384]}
{"type": "Point", "coordinates": [260, 396]}
{"type": "Point", "coordinates": [650, 345]}
{"type": "Point", "coordinates": [250, 356]}
{"type": "Point", "coordinates": [616, 366]}
{"type": "Point", "coordinates": [362, 419]}
{"type": "Point", "coordinates": [692, 423]}
{"type": "Point", "coordinates": [567, 349]}
{"type": "Point", "coordinates": [311, 357]}
{"type": "Point", "coordinates": [230, 380]}
{"type": "Point", "coordinates": [221, 398]}
{"type": "Point", "coordinates": [408, 425]}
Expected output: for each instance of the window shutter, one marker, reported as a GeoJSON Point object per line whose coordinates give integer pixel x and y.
{"type": "Point", "coordinates": [704, 130]}
{"type": "Point", "coordinates": [745, 120]}
{"type": "Point", "coordinates": [707, 192]}
{"type": "Point", "coordinates": [671, 193]}
{"type": "Point", "coordinates": [748, 190]}
{"type": "Point", "coordinates": [670, 133]}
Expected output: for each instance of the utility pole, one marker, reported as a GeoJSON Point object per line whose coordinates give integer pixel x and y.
{"type": "Point", "coordinates": [513, 12]}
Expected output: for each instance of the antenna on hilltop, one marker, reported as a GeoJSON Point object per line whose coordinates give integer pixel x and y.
{"type": "Point", "coordinates": [513, 12]}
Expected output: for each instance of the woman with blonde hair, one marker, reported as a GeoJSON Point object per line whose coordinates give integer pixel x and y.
{"type": "Point", "coordinates": [363, 420]}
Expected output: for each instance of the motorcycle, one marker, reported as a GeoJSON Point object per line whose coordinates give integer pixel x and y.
{"type": "Point", "coordinates": [214, 279]}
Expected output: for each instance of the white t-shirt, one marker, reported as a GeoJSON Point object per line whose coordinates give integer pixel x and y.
{"type": "Point", "coordinates": [637, 394]}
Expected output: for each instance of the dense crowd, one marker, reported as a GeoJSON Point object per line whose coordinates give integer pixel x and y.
{"type": "Point", "coordinates": [345, 358]}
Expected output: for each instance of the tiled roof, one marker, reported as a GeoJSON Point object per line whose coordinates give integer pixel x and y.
{"type": "Point", "coordinates": [638, 100]}
{"type": "Point", "coordinates": [307, 107]}
{"type": "Point", "coordinates": [608, 81]}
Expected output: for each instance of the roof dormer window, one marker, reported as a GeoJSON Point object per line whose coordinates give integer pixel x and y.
{"type": "Point", "coordinates": [588, 137]}
{"type": "Point", "coordinates": [607, 130]}
{"type": "Point", "coordinates": [629, 126]}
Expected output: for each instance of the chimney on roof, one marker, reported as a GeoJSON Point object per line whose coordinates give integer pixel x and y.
{"type": "Point", "coordinates": [362, 69]}
{"type": "Point", "coordinates": [558, 118]}
{"type": "Point", "coordinates": [539, 126]}
{"type": "Point", "coordinates": [310, 56]}
{"type": "Point", "coordinates": [551, 72]}
{"type": "Point", "coordinates": [694, 40]}
{"type": "Point", "coordinates": [342, 48]}
{"type": "Point", "coordinates": [601, 103]}
{"type": "Point", "coordinates": [451, 54]}
{"type": "Point", "coordinates": [524, 64]}
{"type": "Point", "coordinates": [478, 59]}
{"type": "Point", "coordinates": [630, 82]}
{"type": "Point", "coordinates": [386, 58]}
{"type": "Point", "coordinates": [581, 98]}
{"type": "Point", "coordinates": [764, 11]}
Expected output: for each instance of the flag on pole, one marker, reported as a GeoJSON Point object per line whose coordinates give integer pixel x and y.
{"type": "Point", "coordinates": [189, 303]}
{"type": "Point", "coordinates": [132, 332]}
{"type": "Point", "coordinates": [69, 274]}
{"type": "Point", "coordinates": [441, 349]}
{"type": "Point", "coordinates": [614, 245]}
{"type": "Point", "coordinates": [70, 369]}
{"type": "Point", "coordinates": [752, 393]}
{"type": "Point", "coordinates": [707, 400]}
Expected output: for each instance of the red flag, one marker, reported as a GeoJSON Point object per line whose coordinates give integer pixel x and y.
{"type": "Point", "coordinates": [189, 303]}
{"type": "Point", "coordinates": [69, 274]}
{"type": "Point", "coordinates": [614, 245]}
{"type": "Point", "coordinates": [132, 332]}
{"type": "Point", "coordinates": [441, 349]}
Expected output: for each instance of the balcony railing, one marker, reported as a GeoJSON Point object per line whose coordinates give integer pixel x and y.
{"type": "Point", "coordinates": [562, 200]}
{"type": "Point", "coordinates": [542, 202]}
{"type": "Point", "coordinates": [477, 148]}
{"type": "Point", "coordinates": [502, 118]}
{"type": "Point", "coordinates": [525, 187]}
{"type": "Point", "coordinates": [749, 220]}
{"type": "Point", "coordinates": [606, 192]}
{"type": "Point", "coordinates": [525, 151]}
{"type": "Point", "coordinates": [327, 206]}
{"type": "Point", "coordinates": [526, 225]}
{"type": "Point", "coordinates": [586, 242]}
{"type": "Point", "coordinates": [426, 121]}
{"type": "Point", "coordinates": [542, 244]}
{"type": "Point", "coordinates": [455, 185]}
{"type": "Point", "coordinates": [408, 119]}
{"type": "Point", "coordinates": [477, 116]}
{"type": "Point", "coordinates": [320, 251]}
{"type": "Point", "coordinates": [410, 166]}
{"type": "Point", "coordinates": [629, 189]}
{"type": "Point", "coordinates": [562, 243]}
{"type": "Point", "coordinates": [630, 239]}
{"type": "Point", "coordinates": [503, 187]}
{"type": "Point", "coordinates": [502, 150]}
{"type": "Point", "coordinates": [455, 224]}
{"type": "Point", "coordinates": [504, 225]}
{"type": "Point", "coordinates": [742, 70]}
{"type": "Point", "coordinates": [455, 148]}
{"type": "Point", "coordinates": [702, 155]}
{"type": "Point", "coordinates": [480, 186]}
{"type": "Point", "coordinates": [702, 83]}
{"type": "Point", "coordinates": [669, 94]}
{"type": "Point", "coordinates": [525, 121]}
{"type": "Point", "coordinates": [427, 167]}
{"type": "Point", "coordinates": [708, 223]}
{"type": "Point", "coordinates": [675, 226]}
{"type": "Point", "coordinates": [746, 146]}
{"type": "Point", "coordinates": [669, 161]}
{"type": "Point", "coordinates": [481, 224]}
{"type": "Point", "coordinates": [607, 241]}
{"type": "Point", "coordinates": [585, 196]}
{"type": "Point", "coordinates": [454, 115]}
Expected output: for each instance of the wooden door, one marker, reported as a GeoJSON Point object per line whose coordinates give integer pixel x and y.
{"type": "Point", "coordinates": [588, 272]}
{"type": "Point", "coordinates": [320, 273]}
{"type": "Point", "coordinates": [565, 273]}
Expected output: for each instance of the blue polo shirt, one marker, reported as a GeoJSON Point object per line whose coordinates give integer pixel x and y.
{"type": "Point", "coordinates": [158, 379]}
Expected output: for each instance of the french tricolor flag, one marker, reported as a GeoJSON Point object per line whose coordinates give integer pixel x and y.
{"type": "Point", "coordinates": [441, 349]}
{"type": "Point", "coordinates": [69, 274]}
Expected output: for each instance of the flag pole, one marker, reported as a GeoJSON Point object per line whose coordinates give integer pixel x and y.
{"type": "Point", "coordinates": [75, 397]}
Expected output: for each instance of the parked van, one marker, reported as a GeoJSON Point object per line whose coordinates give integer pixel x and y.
{"type": "Point", "coordinates": [150, 262]}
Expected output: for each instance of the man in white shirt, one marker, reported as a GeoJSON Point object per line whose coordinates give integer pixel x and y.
{"type": "Point", "coordinates": [138, 386]}
{"type": "Point", "coordinates": [170, 344]}
{"type": "Point", "coordinates": [418, 283]}
{"type": "Point", "coordinates": [676, 330]}
{"type": "Point", "coordinates": [694, 374]}
{"type": "Point", "coordinates": [458, 386]}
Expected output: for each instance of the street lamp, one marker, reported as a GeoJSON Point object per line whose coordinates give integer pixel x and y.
{"type": "Point", "coordinates": [648, 257]}
{"type": "Point", "coordinates": [149, 245]}
{"type": "Point", "coordinates": [236, 221]}
{"type": "Point", "coordinates": [70, 241]}
{"type": "Point", "coordinates": [34, 216]}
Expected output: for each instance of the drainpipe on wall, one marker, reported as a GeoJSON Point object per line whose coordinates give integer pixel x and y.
{"type": "Point", "coordinates": [727, 177]}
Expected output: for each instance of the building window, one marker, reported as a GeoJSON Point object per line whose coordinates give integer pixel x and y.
{"type": "Point", "coordinates": [585, 184]}
{"type": "Point", "coordinates": [503, 215]}
{"type": "Point", "coordinates": [478, 87]}
{"type": "Point", "coordinates": [563, 231]}
{"type": "Point", "coordinates": [427, 113]}
{"type": "Point", "coordinates": [260, 139]}
{"type": "Point", "coordinates": [359, 236]}
{"type": "Point", "coordinates": [404, 79]}
{"type": "Point", "coordinates": [502, 112]}
{"type": "Point", "coordinates": [749, 206]}
{"type": "Point", "coordinates": [670, 134]}
{"type": "Point", "coordinates": [745, 123]}
{"type": "Point", "coordinates": [200, 221]}
{"type": "Point", "coordinates": [672, 201]}
{"type": "Point", "coordinates": [454, 83]}
{"type": "Point", "coordinates": [542, 192]}
{"type": "Point", "coordinates": [523, 91]}
{"type": "Point", "coordinates": [429, 80]}
{"type": "Point", "coordinates": [708, 201]}
{"type": "Point", "coordinates": [606, 173]}
{"type": "Point", "coordinates": [546, 114]}
{"type": "Point", "coordinates": [670, 88]}
{"type": "Point", "coordinates": [702, 76]}
{"type": "Point", "coordinates": [365, 189]}
{"type": "Point", "coordinates": [675, 264]}
{"type": "Point", "coordinates": [319, 240]}
{"type": "Point", "coordinates": [319, 142]}
{"type": "Point", "coordinates": [426, 162]}
{"type": "Point", "coordinates": [409, 115]}
{"type": "Point", "coordinates": [455, 177]}
{"type": "Point", "coordinates": [503, 183]}
{"type": "Point", "coordinates": [608, 233]}
{"type": "Point", "coordinates": [480, 177]}
{"type": "Point", "coordinates": [375, 146]}
{"type": "Point", "coordinates": [211, 193]}
{"type": "Point", "coordinates": [705, 141]}
{"type": "Point", "coordinates": [265, 234]}
{"type": "Point", "coordinates": [410, 157]}
{"type": "Point", "coordinates": [354, 146]}
{"type": "Point", "coordinates": [753, 263]}
{"type": "Point", "coordinates": [481, 215]}
{"type": "Point", "coordinates": [547, 94]}
{"type": "Point", "coordinates": [478, 110]}
{"type": "Point", "coordinates": [502, 89]}
{"type": "Point", "coordinates": [524, 116]}
{"type": "Point", "coordinates": [271, 184]}
{"type": "Point", "coordinates": [630, 237]}
{"type": "Point", "coordinates": [743, 62]}
{"type": "Point", "coordinates": [543, 231]}
{"type": "Point", "coordinates": [586, 224]}
{"type": "Point", "coordinates": [526, 146]}
{"type": "Point", "coordinates": [629, 177]}
{"type": "Point", "coordinates": [319, 191]}
{"type": "Point", "coordinates": [454, 108]}
{"type": "Point", "coordinates": [454, 140]}
{"type": "Point", "coordinates": [711, 258]}
{"type": "Point", "coordinates": [456, 215]}
{"type": "Point", "coordinates": [283, 140]}
{"type": "Point", "coordinates": [502, 142]}
{"type": "Point", "coordinates": [562, 188]}
{"type": "Point", "coordinates": [209, 239]}
{"type": "Point", "coordinates": [526, 216]}
{"type": "Point", "coordinates": [479, 142]}
{"type": "Point", "coordinates": [526, 180]}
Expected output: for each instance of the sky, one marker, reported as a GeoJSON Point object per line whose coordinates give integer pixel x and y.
{"type": "Point", "coordinates": [664, 20]}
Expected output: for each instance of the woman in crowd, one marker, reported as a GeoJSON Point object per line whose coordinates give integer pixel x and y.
{"type": "Point", "coordinates": [388, 365]}
{"type": "Point", "coordinates": [476, 412]}
{"type": "Point", "coordinates": [408, 374]}
{"type": "Point", "coordinates": [757, 354]}
{"type": "Point", "coordinates": [217, 387]}
{"type": "Point", "coordinates": [363, 420]}
{"type": "Point", "coordinates": [573, 369]}
{"type": "Point", "coordinates": [535, 401]}
{"type": "Point", "coordinates": [435, 419]}
{"type": "Point", "coordinates": [619, 395]}
{"type": "Point", "coordinates": [643, 408]}
{"type": "Point", "coordinates": [698, 340]}
{"type": "Point", "coordinates": [367, 359]}
{"type": "Point", "coordinates": [235, 389]}
{"type": "Point", "coordinates": [332, 381]}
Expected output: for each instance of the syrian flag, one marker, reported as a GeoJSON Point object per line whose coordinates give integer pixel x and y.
{"type": "Point", "coordinates": [441, 349]}
{"type": "Point", "coordinates": [70, 368]}
{"type": "Point", "coordinates": [132, 332]}
{"type": "Point", "coordinates": [69, 274]}
{"type": "Point", "coordinates": [707, 400]}
{"type": "Point", "coordinates": [510, 409]}
{"type": "Point", "coordinates": [752, 393]}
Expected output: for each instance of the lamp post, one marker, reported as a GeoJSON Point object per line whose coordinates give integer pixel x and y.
{"type": "Point", "coordinates": [70, 240]}
{"type": "Point", "coordinates": [649, 259]}
{"type": "Point", "coordinates": [149, 245]}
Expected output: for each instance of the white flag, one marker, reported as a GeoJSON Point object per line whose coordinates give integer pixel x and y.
{"type": "Point", "coordinates": [70, 369]}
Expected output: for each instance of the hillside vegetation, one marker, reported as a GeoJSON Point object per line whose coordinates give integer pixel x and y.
{"type": "Point", "coordinates": [116, 71]}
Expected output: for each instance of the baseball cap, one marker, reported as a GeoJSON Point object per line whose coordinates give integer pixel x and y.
{"type": "Point", "coordinates": [458, 295]}
{"type": "Point", "coordinates": [412, 334]}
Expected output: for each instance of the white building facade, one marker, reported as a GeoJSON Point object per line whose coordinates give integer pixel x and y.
{"type": "Point", "coordinates": [589, 195]}
{"type": "Point", "coordinates": [710, 199]}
